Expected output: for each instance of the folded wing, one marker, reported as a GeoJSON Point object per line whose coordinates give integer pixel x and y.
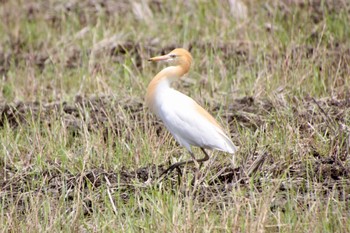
{"type": "Point", "coordinates": [190, 124]}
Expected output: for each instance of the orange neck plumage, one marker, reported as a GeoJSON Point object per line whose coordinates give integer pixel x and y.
{"type": "Point", "coordinates": [164, 78]}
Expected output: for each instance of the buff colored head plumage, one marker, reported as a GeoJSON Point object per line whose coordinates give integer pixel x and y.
{"type": "Point", "coordinates": [178, 57]}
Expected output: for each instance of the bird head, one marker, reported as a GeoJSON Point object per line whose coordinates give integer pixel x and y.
{"type": "Point", "coordinates": [178, 57]}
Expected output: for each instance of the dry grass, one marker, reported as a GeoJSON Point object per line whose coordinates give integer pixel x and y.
{"type": "Point", "coordinates": [79, 152]}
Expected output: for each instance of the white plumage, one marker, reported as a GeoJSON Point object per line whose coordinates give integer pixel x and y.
{"type": "Point", "coordinates": [187, 121]}
{"type": "Point", "coordinates": [181, 117]}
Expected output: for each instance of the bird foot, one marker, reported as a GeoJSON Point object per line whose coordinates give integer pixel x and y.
{"type": "Point", "coordinates": [170, 169]}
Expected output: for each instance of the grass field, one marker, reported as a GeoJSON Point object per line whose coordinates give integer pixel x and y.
{"type": "Point", "coordinates": [79, 151]}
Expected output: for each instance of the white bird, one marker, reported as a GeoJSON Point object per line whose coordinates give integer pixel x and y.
{"type": "Point", "coordinates": [187, 121]}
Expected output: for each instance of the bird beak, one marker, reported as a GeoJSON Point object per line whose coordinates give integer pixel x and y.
{"type": "Point", "coordinates": [159, 58]}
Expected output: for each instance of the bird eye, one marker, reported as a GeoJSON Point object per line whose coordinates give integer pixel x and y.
{"type": "Point", "coordinates": [172, 55]}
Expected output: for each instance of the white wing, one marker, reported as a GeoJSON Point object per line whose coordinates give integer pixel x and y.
{"type": "Point", "coordinates": [188, 126]}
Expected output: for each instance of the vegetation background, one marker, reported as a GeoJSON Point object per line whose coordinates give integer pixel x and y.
{"type": "Point", "coordinates": [80, 153]}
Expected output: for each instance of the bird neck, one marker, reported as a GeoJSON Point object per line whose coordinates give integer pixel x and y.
{"type": "Point", "coordinates": [171, 73]}
{"type": "Point", "coordinates": [162, 81]}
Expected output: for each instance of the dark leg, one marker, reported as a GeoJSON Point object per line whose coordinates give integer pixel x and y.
{"type": "Point", "coordinates": [200, 166]}
{"type": "Point", "coordinates": [206, 158]}
{"type": "Point", "coordinates": [177, 165]}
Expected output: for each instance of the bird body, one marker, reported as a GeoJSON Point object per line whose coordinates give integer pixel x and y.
{"type": "Point", "coordinates": [187, 121]}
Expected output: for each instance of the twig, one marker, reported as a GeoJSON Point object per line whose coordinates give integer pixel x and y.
{"type": "Point", "coordinates": [257, 163]}
{"type": "Point", "coordinates": [329, 120]}
{"type": "Point", "coordinates": [254, 167]}
{"type": "Point", "coordinates": [110, 196]}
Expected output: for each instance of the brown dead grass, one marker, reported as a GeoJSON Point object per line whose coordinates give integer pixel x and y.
{"type": "Point", "coordinates": [328, 172]}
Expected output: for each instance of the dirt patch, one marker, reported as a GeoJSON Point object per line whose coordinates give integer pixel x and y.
{"type": "Point", "coordinates": [110, 47]}
{"type": "Point", "coordinates": [330, 174]}
{"type": "Point", "coordinates": [332, 177]}
{"type": "Point", "coordinates": [105, 112]}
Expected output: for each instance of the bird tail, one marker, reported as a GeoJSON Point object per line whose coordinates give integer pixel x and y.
{"type": "Point", "coordinates": [229, 146]}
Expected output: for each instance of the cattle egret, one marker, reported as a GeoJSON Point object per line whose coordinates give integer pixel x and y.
{"type": "Point", "coordinates": [188, 122]}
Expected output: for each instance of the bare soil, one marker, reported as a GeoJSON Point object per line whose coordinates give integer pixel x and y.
{"type": "Point", "coordinates": [328, 172]}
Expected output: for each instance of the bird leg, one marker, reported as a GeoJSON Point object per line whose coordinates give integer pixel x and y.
{"type": "Point", "coordinates": [206, 157]}
{"type": "Point", "coordinates": [196, 163]}
{"type": "Point", "coordinates": [178, 164]}
{"type": "Point", "coordinates": [199, 166]}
